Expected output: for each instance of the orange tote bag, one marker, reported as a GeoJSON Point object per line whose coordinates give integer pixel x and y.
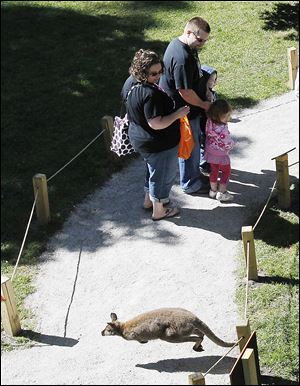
{"type": "Point", "coordinates": [186, 143]}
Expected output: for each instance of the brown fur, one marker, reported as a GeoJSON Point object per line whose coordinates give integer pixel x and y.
{"type": "Point", "coordinates": [174, 325]}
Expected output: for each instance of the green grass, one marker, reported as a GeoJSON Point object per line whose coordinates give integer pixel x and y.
{"type": "Point", "coordinates": [273, 301]}
{"type": "Point", "coordinates": [63, 65]}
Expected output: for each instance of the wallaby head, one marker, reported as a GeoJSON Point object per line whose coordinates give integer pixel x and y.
{"type": "Point", "coordinates": [113, 327]}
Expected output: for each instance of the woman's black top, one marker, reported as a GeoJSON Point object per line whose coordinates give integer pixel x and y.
{"type": "Point", "coordinates": [144, 102]}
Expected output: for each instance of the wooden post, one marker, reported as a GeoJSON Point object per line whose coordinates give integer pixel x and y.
{"type": "Point", "coordinates": [243, 329]}
{"type": "Point", "coordinates": [107, 124]}
{"type": "Point", "coordinates": [247, 236]}
{"type": "Point", "coordinates": [9, 315]}
{"type": "Point", "coordinates": [293, 65]}
{"type": "Point", "coordinates": [249, 367]}
{"type": "Point", "coordinates": [42, 203]}
{"type": "Point", "coordinates": [283, 184]}
{"type": "Point", "coordinates": [196, 379]}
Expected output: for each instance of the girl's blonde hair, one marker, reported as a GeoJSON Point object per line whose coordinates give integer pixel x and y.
{"type": "Point", "coordinates": [217, 109]}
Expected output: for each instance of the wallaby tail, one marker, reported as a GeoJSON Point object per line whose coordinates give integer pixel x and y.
{"type": "Point", "coordinates": [208, 332]}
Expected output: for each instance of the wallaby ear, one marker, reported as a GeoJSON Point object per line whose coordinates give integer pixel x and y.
{"type": "Point", "coordinates": [113, 317]}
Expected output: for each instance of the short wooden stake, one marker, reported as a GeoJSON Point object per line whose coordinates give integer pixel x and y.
{"type": "Point", "coordinates": [107, 124]}
{"type": "Point", "coordinates": [249, 367]}
{"type": "Point", "coordinates": [196, 379]}
{"type": "Point", "coordinates": [42, 202]}
{"type": "Point", "coordinates": [9, 315]}
{"type": "Point", "coordinates": [247, 236]}
{"type": "Point", "coordinates": [283, 184]}
{"type": "Point", "coordinates": [292, 65]}
{"type": "Point", "coordinates": [243, 330]}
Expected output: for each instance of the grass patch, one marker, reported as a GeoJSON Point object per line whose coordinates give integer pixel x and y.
{"type": "Point", "coordinates": [273, 301]}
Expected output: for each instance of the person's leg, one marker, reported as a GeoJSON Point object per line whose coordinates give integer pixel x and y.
{"type": "Point", "coordinates": [147, 201]}
{"type": "Point", "coordinates": [213, 179]}
{"type": "Point", "coordinates": [226, 170]}
{"type": "Point", "coordinates": [223, 195]}
{"type": "Point", "coordinates": [203, 165]}
{"type": "Point", "coordinates": [162, 168]}
{"type": "Point", "coordinates": [191, 180]}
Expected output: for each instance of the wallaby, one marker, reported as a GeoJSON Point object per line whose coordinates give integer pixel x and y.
{"type": "Point", "coordinates": [174, 325]}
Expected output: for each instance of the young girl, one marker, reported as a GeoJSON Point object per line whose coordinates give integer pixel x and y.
{"type": "Point", "coordinates": [217, 146]}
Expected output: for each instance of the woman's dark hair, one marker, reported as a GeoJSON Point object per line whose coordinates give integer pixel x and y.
{"type": "Point", "coordinates": [141, 63]}
{"type": "Point", "coordinates": [217, 109]}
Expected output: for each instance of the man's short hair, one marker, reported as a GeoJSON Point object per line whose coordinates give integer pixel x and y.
{"type": "Point", "coordinates": [196, 24]}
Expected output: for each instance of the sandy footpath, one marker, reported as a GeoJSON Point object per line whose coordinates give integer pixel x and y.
{"type": "Point", "coordinates": [110, 256]}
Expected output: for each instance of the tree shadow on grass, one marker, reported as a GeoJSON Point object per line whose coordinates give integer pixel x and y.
{"type": "Point", "coordinates": [264, 279]}
{"type": "Point", "coordinates": [63, 71]}
{"type": "Point", "coordinates": [273, 235]}
{"type": "Point", "coordinates": [239, 102]}
{"type": "Point", "coordinates": [272, 380]}
{"type": "Point", "coordinates": [283, 17]}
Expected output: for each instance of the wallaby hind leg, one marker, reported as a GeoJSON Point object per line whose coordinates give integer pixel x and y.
{"type": "Point", "coordinates": [198, 346]}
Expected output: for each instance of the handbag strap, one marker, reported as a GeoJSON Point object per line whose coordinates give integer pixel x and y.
{"type": "Point", "coordinates": [123, 105]}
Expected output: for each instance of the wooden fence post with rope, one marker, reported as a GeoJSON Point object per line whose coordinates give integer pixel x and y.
{"type": "Point", "coordinates": [249, 251]}
{"type": "Point", "coordinates": [9, 315]}
{"type": "Point", "coordinates": [107, 124]}
{"type": "Point", "coordinates": [243, 331]}
{"type": "Point", "coordinates": [42, 203]}
{"type": "Point", "coordinates": [196, 379]}
{"type": "Point", "coordinates": [283, 184]}
{"type": "Point", "coordinates": [292, 65]}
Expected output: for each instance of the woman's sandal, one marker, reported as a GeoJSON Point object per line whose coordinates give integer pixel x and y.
{"type": "Point", "coordinates": [170, 212]}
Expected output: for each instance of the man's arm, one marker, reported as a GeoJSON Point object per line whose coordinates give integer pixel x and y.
{"type": "Point", "coordinates": [192, 98]}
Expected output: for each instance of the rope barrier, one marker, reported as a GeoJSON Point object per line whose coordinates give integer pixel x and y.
{"type": "Point", "coordinates": [286, 152]}
{"type": "Point", "coordinates": [247, 279]}
{"type": "Point", "coordinates": [236, 343]}
{"type": "Point", "coordinates": [35, 199]}
{"type": "Point", "coordinates": [273, 187]}
{"type": "Point", "coordinates": [269, 108]}
{"type": "Point", "coordinates": [295, 163]}
{"type": "Point", "coordinates": [75, 156]}
{"type": "Point", "coordinates": [25, 236]}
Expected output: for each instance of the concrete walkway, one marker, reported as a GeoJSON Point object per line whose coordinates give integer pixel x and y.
{"type": "Point", "coordinates": [111, 257]}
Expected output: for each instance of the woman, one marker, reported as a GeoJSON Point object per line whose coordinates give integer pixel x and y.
{"type": "Point", "coordinates": [154, 130]}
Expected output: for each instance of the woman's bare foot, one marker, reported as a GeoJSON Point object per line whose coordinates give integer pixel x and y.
{"type": "Point", "coordinates": [147, 202]}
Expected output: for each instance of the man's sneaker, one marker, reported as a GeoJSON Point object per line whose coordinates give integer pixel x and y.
{"type": "Point", "coordinates": [205, 169]}
{"type": "Point", "coordinates": [212, 194]}
{"type": "Point", "coordinates": [224, 196]}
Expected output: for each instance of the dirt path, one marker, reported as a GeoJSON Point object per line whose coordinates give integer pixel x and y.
{"type": "Point", "coordinates": [110, 256]}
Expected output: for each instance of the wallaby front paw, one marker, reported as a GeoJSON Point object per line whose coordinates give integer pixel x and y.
{"type": "Point", "coordinates": [143, 341]}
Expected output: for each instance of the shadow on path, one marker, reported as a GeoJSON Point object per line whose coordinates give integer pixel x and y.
{"type": "Point", "coordinates": [201, 364]}
{"type": "Point", "coordinates": [48, 340]}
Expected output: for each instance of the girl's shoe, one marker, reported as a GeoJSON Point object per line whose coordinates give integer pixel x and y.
{"type": "Point", "coordinates": [212, 194]}
{"type": "Point", "coordinates": [224, 196]}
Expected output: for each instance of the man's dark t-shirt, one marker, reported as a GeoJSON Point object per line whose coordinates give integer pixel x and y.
{"type": "Point", "coordinates": [145, 102]}
{"type": "Point", "coordinates": [182, 71]}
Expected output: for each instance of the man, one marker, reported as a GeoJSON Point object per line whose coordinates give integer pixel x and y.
{"type": "Point", "coordinates": [183, 81]}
